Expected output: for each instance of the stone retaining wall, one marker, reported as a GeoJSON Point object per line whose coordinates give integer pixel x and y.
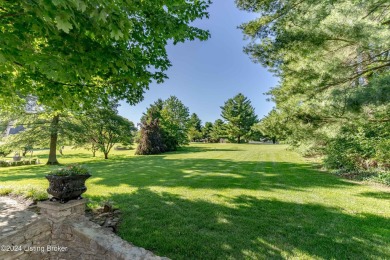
{"type": "Point", "coordinates": [26, 242]}
{"type": "Point", "coordinates": [63, 232]}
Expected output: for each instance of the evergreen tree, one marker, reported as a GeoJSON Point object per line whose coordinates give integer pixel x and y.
{"type": "Point", "coordinates": [194, 128]}
{"type": "Point", "coordinates": [239, 115]}
{"type": "Point", "coordinates": [151, 138]}
{"type": "Point", "coordinates": [218, 131]}
{"type": "Point", "coordinates": [332, 58]}
{"type": "Point", "coordinates": [206, 131]}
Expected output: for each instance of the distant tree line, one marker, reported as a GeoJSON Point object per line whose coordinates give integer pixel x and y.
{"type": "Point", "coordinates": [167, 125]}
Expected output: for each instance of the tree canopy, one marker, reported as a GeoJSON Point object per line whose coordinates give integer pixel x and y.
{"type": "Point", "coordinates": [65, 51]}
{"type": "Point", "coordinates": [172, 122]}
{"type": "Point", "coordinates": [333, 61]}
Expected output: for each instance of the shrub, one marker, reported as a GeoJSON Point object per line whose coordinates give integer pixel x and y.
{"type": "Point", "coordinates": [151, 139]}
{"type": "Point", "coordinates": [4, 164]}
{"type": "Point", "coordinates": [361, 146]}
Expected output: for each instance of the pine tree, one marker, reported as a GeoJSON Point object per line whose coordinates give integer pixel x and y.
{"type": "Point", "coordinates": [239, 115]}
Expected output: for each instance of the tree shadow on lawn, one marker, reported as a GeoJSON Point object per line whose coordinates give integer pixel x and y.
{"type": "Point", "coordinates": [252, 228]}
{"type": "Point", "coordinates": [377, 195]}
{"type": "Point", "coordinates": [196, 149]}
{"type": "Point", "coordinates": [23, 172]}
{"type": "Point", "coordinates": [210, 173]}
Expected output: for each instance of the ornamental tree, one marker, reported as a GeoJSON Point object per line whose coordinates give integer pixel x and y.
{"type": "Point", "coordinates": [102, 128]}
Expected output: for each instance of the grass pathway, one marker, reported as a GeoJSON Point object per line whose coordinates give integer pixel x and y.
{"type": "Point", "coordinates": [227, 201]}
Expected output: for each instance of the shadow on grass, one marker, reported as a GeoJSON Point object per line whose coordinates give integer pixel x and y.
{"type": "Point", "coordinates": [146, 171]}
{"type": "Point", "coordinates": [377, 195]}
{"type": "Point", "coordinates": [194, 149]}
{"type": "Point", "coordinates": [251, 228]}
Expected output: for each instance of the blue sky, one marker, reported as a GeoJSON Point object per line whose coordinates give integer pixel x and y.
{"type": "Point", "coordinates": [206, 74]}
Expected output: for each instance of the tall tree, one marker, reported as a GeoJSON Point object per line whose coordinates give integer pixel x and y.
{"type": "Point", "coordinates": [239, 115]}
{"type": "Point", "coordinates": [41, 128]}
{"type": "Point", "coordinates": [332, 58]}
{"type": "Point", "coordinates": [174, 120]}
{"type": "Point", "coordinates": [195, 122]}
{"type": "Point", "coordinates": [273, 126]}
{"type": "Point", "coordinates": [73, 54]}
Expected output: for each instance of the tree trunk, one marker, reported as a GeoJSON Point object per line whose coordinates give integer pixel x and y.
{"type": "Point", "coordinates": [93, 153]}
{"type": "Point", "coordinates": [274, 140]}
{"type": "Point", "coordinates": [53, 141]}
{"type": "Point", "coordinates": [238, 139]}
{"type": "Point", "coordinates": [105, 155]}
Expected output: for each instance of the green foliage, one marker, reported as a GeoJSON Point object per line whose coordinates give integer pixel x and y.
{"type": "Point", "coordinates": [37, 129]}
{"type": "Point", "coordinates": [240, 117]}
{"type": "Point", "coordinates": [332, 58]}
{"type": "Point", "coordinates": [73, 53]}
{"type": "Point", "coordinates": [4, 151]}
{"type": "Point", "coordinates": [207, 130]}
{"type": "Point", "coordinates": [173, 119]}
{"type": "Point", "coordinates": [218, 131]}
{"type": "Point", "coordinates": [194, 128]}
{"type": "Point", "coordinates": [26, 191]}
{"type": "Point", "coordinates": [5, 191]}
{"type": "Point", "coordinates": [71, 170]}
{"type": "Point", "coordinates": [102, 127]}
{"type": "Point", "coordinates": [194, 135]}
{"type": "Point", "coordinates": [359, 146]}
{"type": "Point", "coordinates": [273, 126]}
{"type": "Point", "coordinates": [151, 138]}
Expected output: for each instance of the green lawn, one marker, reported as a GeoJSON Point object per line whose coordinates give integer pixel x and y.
{"type": "Point", "coordinates": [229, 201]}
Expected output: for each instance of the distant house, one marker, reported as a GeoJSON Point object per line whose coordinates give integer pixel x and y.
{"type": "Point", "coordinates": [11, 129]}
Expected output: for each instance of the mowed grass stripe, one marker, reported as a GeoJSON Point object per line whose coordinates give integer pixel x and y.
{"type": "Point", "coordinates": [230, 201]}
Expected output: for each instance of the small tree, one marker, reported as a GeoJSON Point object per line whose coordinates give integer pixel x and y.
{"type": "Point", "coordinates": [194, 135]}
{"type": "Point", "coordinates": [239, 115]}
{"type": "Point", "coordinates": [102, 128]}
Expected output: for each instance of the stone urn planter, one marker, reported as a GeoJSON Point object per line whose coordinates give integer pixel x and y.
{"type": "Point", "coordinates": [67, 183]}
